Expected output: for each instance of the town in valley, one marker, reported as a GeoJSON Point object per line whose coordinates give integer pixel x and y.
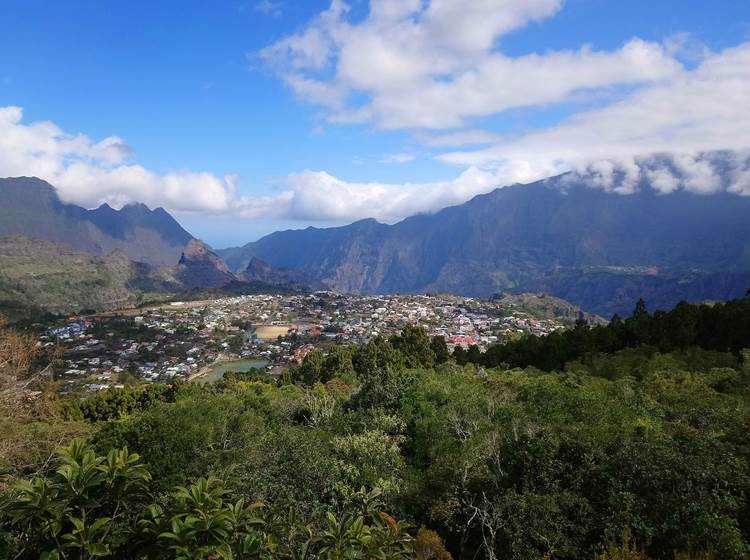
{"type": "Point", "coordinates": [202, 340]}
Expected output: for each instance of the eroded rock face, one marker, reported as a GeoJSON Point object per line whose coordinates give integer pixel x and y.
{"type": "Point", "coordinates": [199, 267]}
{"type": "Point", "coordinates": [599, 250]}
{"type": "Point", "coordinates": [258, 270]}
{"type": "Point", "coordinates": [32, 208]}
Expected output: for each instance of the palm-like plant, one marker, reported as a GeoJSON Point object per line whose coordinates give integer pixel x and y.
{"type": "Point", "coordinates": [371, 534]}
{"type": "Point", "coordinates": [203, 525]}
{"type": "Point", "coordinates": [94, 506]}
{"type": "Point", "coordinates": [72, 513]}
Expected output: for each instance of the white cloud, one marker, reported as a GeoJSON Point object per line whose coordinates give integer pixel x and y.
{"type": "Point", "coordinates": [701, 173]}
{"type": "Point", "coordinates": [662, 179]}
{"type": "Point", "coordinates": [89, 173]}
{"type": "Point", "coordinates": [317, 195]}
{"type": "Point", "coordinates": [417, 73]}
{"type": "Point", "coordinates": [705, 109]}
{"type": "Point", "coordinates": [402, 157]}
{"type": "Point", "coordinates": [309, 49]}
{"type": "Point", "coordinates": [270, 8]}
{"type": "Point", "coordinates": [435, 64]}
{"type": "Point", "coordinates": [458, 138]}
{"type": "Point", "coordinates": [739, 176]}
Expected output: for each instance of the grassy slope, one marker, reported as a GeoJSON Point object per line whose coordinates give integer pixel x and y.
{"type": "Point", "coordinates": [57, 278]}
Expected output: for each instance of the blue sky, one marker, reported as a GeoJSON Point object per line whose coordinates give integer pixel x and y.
{"type": "Point", "coordinates": [196, 87]}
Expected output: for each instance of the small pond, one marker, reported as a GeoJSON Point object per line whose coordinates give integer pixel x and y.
{"type": "Point", "coordinates": [217, 372]}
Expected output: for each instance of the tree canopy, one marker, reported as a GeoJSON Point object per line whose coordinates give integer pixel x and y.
{"type": "Point", "coordinates": [620, 442]}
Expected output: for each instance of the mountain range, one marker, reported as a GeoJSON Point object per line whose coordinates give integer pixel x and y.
{"type": "Point", "coordinates": [599, 250]}
{"type": "Point", "coordinates": [31, 207]}
{"type": "Point", "coordinates": [62, 257]}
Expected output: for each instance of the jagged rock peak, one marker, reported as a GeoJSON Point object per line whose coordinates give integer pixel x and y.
{"type": "Point", "coordinates": [197, 251]}
{"type": "Point", "coordinates": [258, 265]}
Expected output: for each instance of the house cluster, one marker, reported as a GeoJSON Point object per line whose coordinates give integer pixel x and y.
{"type": "Point", "coordinates": [461, 321]}
{"type": "Point", "coordinates": [184, 340]}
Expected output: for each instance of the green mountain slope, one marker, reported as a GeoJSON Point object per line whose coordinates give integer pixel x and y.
{"type": "Point", "coordinates": [55, 277]}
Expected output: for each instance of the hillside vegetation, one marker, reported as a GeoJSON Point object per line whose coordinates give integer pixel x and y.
{"type": "Point", "coordinates": [56, 278]}
{"type": "Point", "coordinates": [52, 277]}
{"type": "Point", "coordinates": [619, 442]}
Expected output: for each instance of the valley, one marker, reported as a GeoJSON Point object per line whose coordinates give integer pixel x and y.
{"type": "Point", "coordinates": [202, 340]}
{"type": "Point", "coordinates": [375, 280]}
{"type": "Point", "coordinates": [598, 250]}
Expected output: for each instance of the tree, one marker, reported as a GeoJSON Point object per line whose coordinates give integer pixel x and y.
{"type": "Point", "coordinates": [96, 506]}
{"type": "Point", "coordinates": [459, 354]}
{"type": "Point", "coordinates": [415, 346]}
{"type": "Point", "coordinates": [624, 550]}
{"type": "Point", "coordinates": [76, 511]}
{"type": "Point", "coordinates": [429, 546]}
{"type": "Point", "coordinates": [640, 309]}
{"type": "Point", "coordinates": [473, 354]}
{"type": "Point", "coordinates": [439, 349]}
{"type": "Point", "coordinates": [311, 369]}
{"type": "Point", "coordinates": [338, 363]}
{"type": "Point", "coordinates": [202, 524]}
{"type": "Point", "coordinates": [377, 355]}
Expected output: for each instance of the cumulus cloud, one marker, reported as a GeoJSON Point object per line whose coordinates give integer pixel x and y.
{"type": "Point", "coordinates": [705, 109]}
{"type": "Point", "coordinates": [701, 173]}
{"type": "Point", "coordinates": [402, 157]}
{"type": "Point", "coordinates": [458, 138]}
{"type": "Point", "coordinates": [317, 195]}
{"type": "Point", "coordinates": [269, 8]}
{"type": "Point", "coordinates": [435, 64]}
{"type": "Point", "coordinates": [431, 66]}
{"type": "Point", "coordinates": [739, 182]}
{"type": "Point", "coordinates": [88, 173]}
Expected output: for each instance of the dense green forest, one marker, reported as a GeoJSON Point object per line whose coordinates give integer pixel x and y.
{"type": "Point", "coordinates": [620, 442]}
